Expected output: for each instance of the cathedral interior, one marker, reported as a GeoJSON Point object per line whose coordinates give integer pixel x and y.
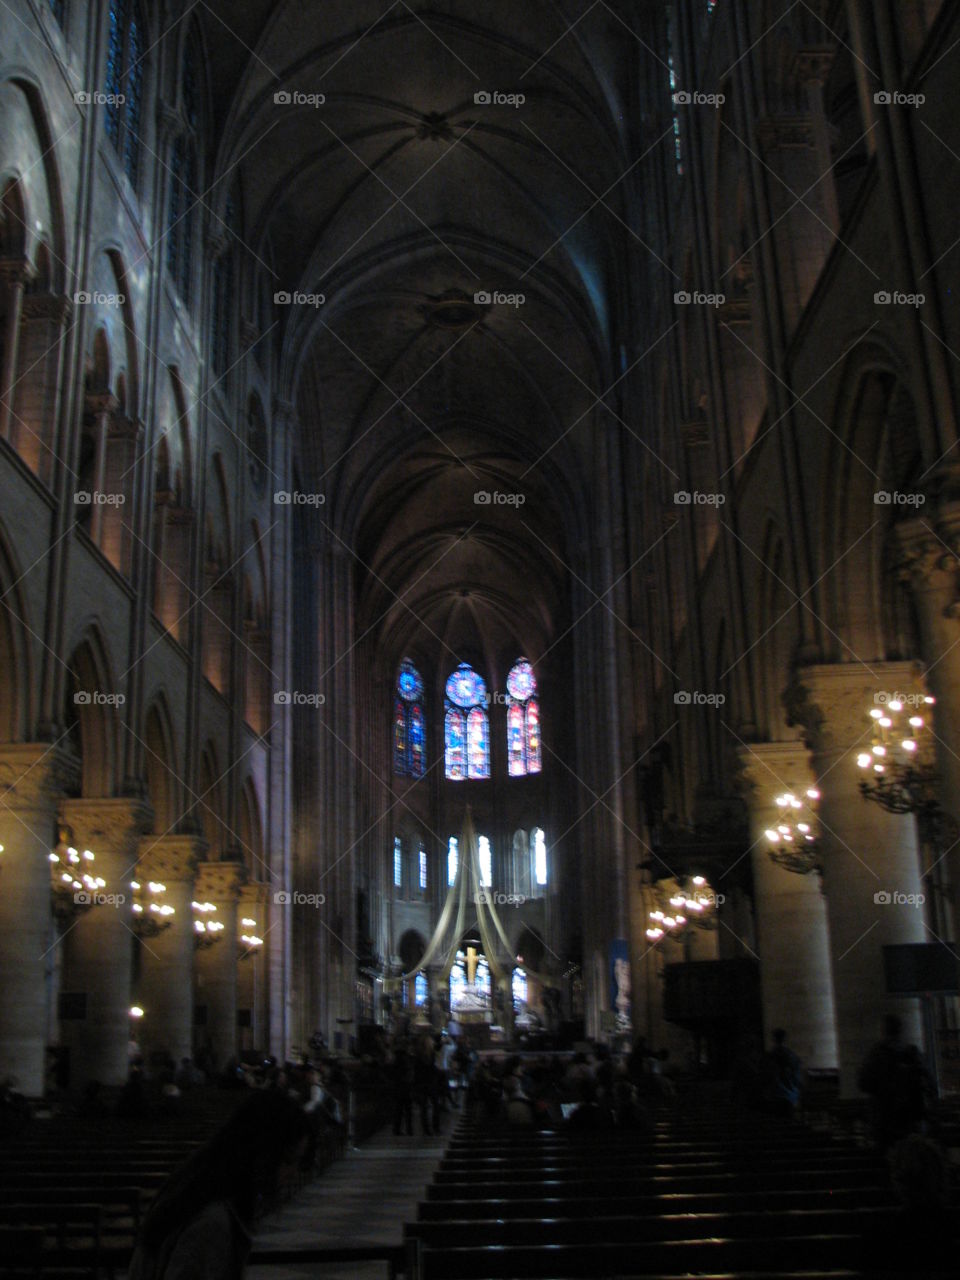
{"type": "Point", "coordinates": [480, 534]}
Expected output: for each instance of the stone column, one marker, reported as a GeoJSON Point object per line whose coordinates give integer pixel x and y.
{"type": "Point", "coordinates": [216, 968]}
{"type": "Point", "coordinates": [871, 862]}
{"type": "Point", "coordinates": [251, 977]}
{"type": "Point", "coordinates": [98, 946]}
{"type": "Point", "coordinates": [929, 568]}
{"type": "Point", "coordinates": [166, 959]}
{"type": "Point", "coordinates": [118, 517]}
{"type": "Point", "coordinates": [13, 277]}
{"type": "Point", "coordinates": [793, 942]}
{"type": "Point", "coordinates": [31, 775]}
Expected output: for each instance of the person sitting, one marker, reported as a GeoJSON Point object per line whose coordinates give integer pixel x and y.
{"type": "Point", "coordinates": [198, 1228]}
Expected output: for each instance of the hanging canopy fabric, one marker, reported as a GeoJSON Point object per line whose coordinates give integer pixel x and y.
{"type": "Point", "coordinates": [465, 894]}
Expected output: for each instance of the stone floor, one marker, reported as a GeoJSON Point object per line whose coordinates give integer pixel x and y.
{"type": "Point", "coordinates": [365, 1198]}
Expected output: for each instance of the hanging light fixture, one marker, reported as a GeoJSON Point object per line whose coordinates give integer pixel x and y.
{"type": "Point", "coordinates": [794, 842]}
{"type": "Point", "coordinates": [74, 884]}
{"type": "Point", "coordinates": [151, 915]}
{"type": "Point", "coordinates": [898, 767]}
{"type": "Point", "coordinates": [692, 902]}
{"type": "Point", "coordinates": [206, 931]}
{"type": "Point", "coordinates": [249, 940]}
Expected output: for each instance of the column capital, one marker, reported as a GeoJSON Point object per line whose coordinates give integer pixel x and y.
{"type": "Point", "coordinates": [255, 892]}
{"type": "Point", "coordinates": [831, 701]}
{"type": "Point", "coordinates": [766, 767]}
{"type": "Point", "coordinates": [928, 561]}
{"type": "Point", "coordinates": [170, 857]}
{"type": "Point", "coordinates": [812, 65]}
{"type": "Point", "coordinates": [33, 774]}
{"type": "Point", "coordinates": [220, 881]}
{"type": "Point", "coordinates": [46, 306]}
{"type": "Point", "coordinates": [786, 133]}
{"type": "Point", "coordinates": [111, 823]}
{"type": "Point", "coordinates": [15, 271]}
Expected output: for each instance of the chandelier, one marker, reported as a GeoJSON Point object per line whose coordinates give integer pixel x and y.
{"type": "Point", "coordinates": [692, 902]}
{"type": "Point", "coordinates": [206, 931]}
{"type": "Point", "coordinates": [898, 769]}
{"type": "Point", "coordinates": [73, 884]}
{"type": "Point", "coordinates": [795, 841]}
{"type": "Point", "coordinates": [151, 915]}
{"type": "Point", "coordinates": [249, 940]}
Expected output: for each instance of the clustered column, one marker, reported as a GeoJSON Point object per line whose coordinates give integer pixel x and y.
{"type": "Point", "coordinates": [219, 883]}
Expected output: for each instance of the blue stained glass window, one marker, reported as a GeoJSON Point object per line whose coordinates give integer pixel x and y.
{"type": "Point", "coordinates": [458, 980]}
{"type": "Point", "coordinates": [398, 862]}
{"type": "Point", "coordinates": [466, 726]}
{"type": "Point", "coordinates": [539, 842]}
{"type": "Point", "coordinates": [409, 733]}
{"type": "Point", "coordinates": [423, 868]}
{"type": "Point", "coordinates": [523, 721]}
{"type": "Point", "coordinates": [453, 859]}
{"type": "Point", "coordinates": [465, 688]}
{"type": "Point", "coordinates": [420, 989]}
{"type": "Point", "coordinates": [124, 84]}
{"type": "Point", "coordinates": [519, 985]}
{"type": "Point", "coordinates": [482, 978]}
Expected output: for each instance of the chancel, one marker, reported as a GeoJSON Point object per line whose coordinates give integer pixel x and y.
{"type": "Point", "coordinates": [480, 638]}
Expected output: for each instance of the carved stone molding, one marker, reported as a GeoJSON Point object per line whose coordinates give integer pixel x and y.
{"type": "Point", "coordinates": [831, 702]}
{"type": "Point", "coordinates": [770, 767]}
{"type": "Point", "coordinates": [46, 306]}
{"type": "Point", "coordinates": [927, 562]}
{"type": "Point", "coordinates": [170, 857]}
{"type": "Point", "coordinates": [220, 881]}
{"type": "Point", "coordinates": [14, 271]}
{"type": "Point", "coordinates": [107, 825]}
{"type": "Point", "coordinates": [786, 133]}
{"type": "Point", "coordinates": [695, 434]}
{"type": "Point", "coordinates": [34, 775]}
{"type": "Point", "coordinates": [812, 65]}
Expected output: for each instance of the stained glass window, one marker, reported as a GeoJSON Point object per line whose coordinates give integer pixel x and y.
{"type": "Point", "coordinates": [420, 989]}
{"type": "Point", "coordinates": [519, 985]}
{"type": "Point", "coordinates": [124, 83]}
{"type": "Point", "coordinates": [398, 862]}
{"type": "Point", "coordinates": [672, 76]}
{"type": "Point", "coordinates": [466, 726]}
{"type": "Point", "coordinates": [523, 721]}
{"type": "Point", "coordinates": [453, 859]}
{"type": "Point", "coordinates": [482, 977]}
{"type": "Point", "coordinates": [486, 862]}
{"type": "Point", "coordinates": [58, 9]}
{"type": "Point", "coordinates": [409, 727]}
{"type": "Point", "coordinates": [458, 980]}
{"type": "Point", "coordinates": [423, 867]}
{"type": "Point", "coordinates": [539, 842]}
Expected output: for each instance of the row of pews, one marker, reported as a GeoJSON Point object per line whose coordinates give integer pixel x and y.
{"type": "Point", "coordinates": [716, 1195]}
